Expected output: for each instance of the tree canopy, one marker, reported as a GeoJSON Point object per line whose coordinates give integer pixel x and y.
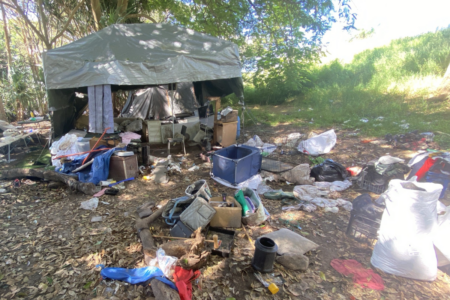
{"type": "Point", "coordinates": [278, 39]}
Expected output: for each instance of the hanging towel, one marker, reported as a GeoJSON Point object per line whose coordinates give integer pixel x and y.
{"type": "Point", "coordinates": [100, 109]}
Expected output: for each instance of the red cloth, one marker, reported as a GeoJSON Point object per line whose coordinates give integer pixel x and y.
{"type": "Point", "coordinates": [366, 278]}
{"type": "Point", "coordinates": [425, 168]}
{"type": "Point", "coordinates": [183, 280]}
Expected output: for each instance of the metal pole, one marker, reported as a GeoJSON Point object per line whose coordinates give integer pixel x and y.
{"type": "Point", "coordinates": [173, 116]}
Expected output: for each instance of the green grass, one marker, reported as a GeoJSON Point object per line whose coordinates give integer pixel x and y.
{"type": "Point", "coordinates": [393, 82]}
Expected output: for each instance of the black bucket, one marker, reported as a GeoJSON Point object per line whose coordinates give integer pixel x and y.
{"type": "Point", "coordinates": [265, 254]}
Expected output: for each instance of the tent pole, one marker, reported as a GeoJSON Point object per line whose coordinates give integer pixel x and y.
{"type": "Point", "coordinates": [173, 116]}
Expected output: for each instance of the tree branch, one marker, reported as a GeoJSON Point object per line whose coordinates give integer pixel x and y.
{"type": "Point", "coordinates": [140, 16]}
{"type": "Point", "coordinates": [7, 4]}
{"type": "Point", "coordinates": [25, 17]}
{"type": "Point", "coordinates": [67, 23]}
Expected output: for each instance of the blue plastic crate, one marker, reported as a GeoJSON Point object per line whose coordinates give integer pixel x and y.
{"type": "Point", "coordinates": [237, 163]}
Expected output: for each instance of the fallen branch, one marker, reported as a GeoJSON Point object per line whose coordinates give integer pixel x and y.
{"type": "Point", "coordinates": [142, 227]}
{"type": "Point", "coordinates": [49, 175]}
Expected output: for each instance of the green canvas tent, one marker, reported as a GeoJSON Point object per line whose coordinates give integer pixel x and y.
{"type": "Point", "coordinates": [135, 56]}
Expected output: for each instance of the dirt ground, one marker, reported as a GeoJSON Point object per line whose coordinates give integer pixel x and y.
{"type": "Point", "coordinates": [50, 248]}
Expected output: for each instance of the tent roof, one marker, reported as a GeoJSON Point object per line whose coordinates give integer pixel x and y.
{"type": "Point", "coordinates": [141, 54]}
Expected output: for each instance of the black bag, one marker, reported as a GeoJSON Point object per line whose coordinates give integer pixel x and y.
{"type": "Point", "coordinates": [329, 171]}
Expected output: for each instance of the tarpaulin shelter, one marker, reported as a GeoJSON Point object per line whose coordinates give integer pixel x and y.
{"type": "Point", "coordinates": [134, 56]}
{"type": "Point", "coordinates": [151, 103]}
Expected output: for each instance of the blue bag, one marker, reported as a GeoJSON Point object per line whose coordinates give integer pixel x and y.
{"type": "Point", "coordinates": [135, 276]}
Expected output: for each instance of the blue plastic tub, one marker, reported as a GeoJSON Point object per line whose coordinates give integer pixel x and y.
{"type": "Point", "coordinates": [236, 164]}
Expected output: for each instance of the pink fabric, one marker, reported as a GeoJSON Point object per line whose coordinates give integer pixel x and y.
{"type": "Point", "coordinates": [101, 193]}
{"type": "Point", "coordinates": [366, 278]}
{"type": "Point", "coordinates": [128, 136]}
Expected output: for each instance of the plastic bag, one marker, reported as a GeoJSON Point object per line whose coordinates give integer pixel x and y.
{"type": "Point", "coordinates": [405, 244]}
{"type": "Point", "coordinates": [335, 186]}
{"type": "Point", "coordinates": [164, 262]}
{"type": "Point", "coordinates": [260, 215]}
{"type": "Point", "coordinates": [320, 144]}
{"type": "Point", "coordinates": [68, 144]}
{"type": "Point", "coordinates": [308, 192]}
{"type": "Point", "coordinates": [135, 276]}
{"type": "Point", "coordinates": [329, 171]}
{"type": "Point", "coordinates": [90, 204]}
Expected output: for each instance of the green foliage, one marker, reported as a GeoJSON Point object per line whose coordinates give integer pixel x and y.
{"type": "Point", "coordinates": [393, 82]}
{"type": "Point", "coordinates": [315, 160]}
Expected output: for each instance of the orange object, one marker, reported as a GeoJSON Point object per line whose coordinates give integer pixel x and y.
{"type": "Point", "coordinates": [354, 171]}
{"type": "Point", "coordinates": [104, 132]}
{"type": "Point", "coordinates": [366, 141]}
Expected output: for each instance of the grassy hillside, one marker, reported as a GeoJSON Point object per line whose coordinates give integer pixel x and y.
{"type": "Point", "coordinates": [393, 82]}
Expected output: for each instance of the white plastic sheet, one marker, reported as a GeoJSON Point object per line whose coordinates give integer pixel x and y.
{"type": "Point", "coordinates": [90, 204]}
{"type": "Point", "coordinates": [164, 262]}
{"type": "Point", "coordinates": [335, 186]}
{"type": "Point", "coordinates": [320, 144]}
{"type": "Point", "coordinates": [68, 144]}
{"type": "Point", "coordinates": [405, 244]}
{"type": "Point", "coordinates": [252, 182]}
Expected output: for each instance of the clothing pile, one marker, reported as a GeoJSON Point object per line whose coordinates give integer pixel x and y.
{"type": "Point", "coordinates": [431, 167]}
{"type": "Point", "coordinates": [376, 175]}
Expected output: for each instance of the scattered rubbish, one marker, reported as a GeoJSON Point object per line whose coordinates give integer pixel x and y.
{"type": "Point", "coordinates": [2, 191]}
{"type": "Point", "coordinates": [101, 193]}
{"type": "Point", "coordinates": [96, 219]}
{"type": "Point", "coordinates": [181, 230]}
{"type": "Point", "coordinates": [194, 168]}
{"type": "Point", "coordinates": [379, 119]}
{"type": "Point", "coordinates": [279, 195]}
{"type": "Point", "coordinates": [354, 171]}
{"type": "Point", "coordinates": [265, 254]}
{"type": "Point", "coordinates": [107, 182]}
{"type": "Point", "coordinates": [229, 163]}
{"type": "Point", "coordinates": [365, 217]}
{"type": "Point", "coordinates": [364, 120]}
{"type": "Point", "coordinates": [112, 192]}
{"type": "Point", "coordinates": [106, 203]}
{"type": "Point", "coordinates": [298, 175]}
{"type": "Point", "coordinates": [90, 204]}
{"type": "Point", "coordinates": [198, 214]}
{"type": "Point", "coordinates": [414, 203]}
{"type": "Point", "coordinates": [365, 278]}
{"type": "Point", "coordinates": [200, 188]}
{"type": "Point", "coordinates": [273, 288]}
{"type": "Point", "coordinates": [290, 242]}
{"type": "Point", "coordinates": [335, 186]}
{"type": "Point", "coordinates": [404, 126]}
{"type": "Point", "coordinates": [164, 262]}
{"type": "Point", "coordinates": [329, 171]}
{"type": "Point", "coordinates": [224, 237]}
{"type": "Point", "coordinates": [135, 276]}
{"type": "Point", "coordinates": [248, 218]}
{"type": "Point", "coordinates": [183, 280]}
{"type": "Point", "coordinates": [302, 206]}
{"type": "Point", "coordinates": [294, 262]}
{"type": "Point", "coordinates": [323, 143]}
{"type": "Point", "coordinates": [345, 122]}
{"type": "Point", "coordinates": [331, 209]}
{"type": "Point", "coordinates": [228, 216]}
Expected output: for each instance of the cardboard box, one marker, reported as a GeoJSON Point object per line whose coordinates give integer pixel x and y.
{"type": "Point", "coordinates": [123, 167]}
{"type": "Point", "coordinates": [107, 143]}
{"type": "Point", "coordinates": [226, 216]}
{"type": "Point", "coordinates": [225, 133]}
{"type": "Point", "coordinates": [230, 117]}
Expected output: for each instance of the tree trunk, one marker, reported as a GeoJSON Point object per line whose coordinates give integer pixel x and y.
{"type": "Point", "coordinates": [96, 13]}
{"type": "Point", "coordinates": [162, 291]}
{"type": "Point", "coordinates": [85, 188]}
{"type": "Point", "coordinates": [7, 41]}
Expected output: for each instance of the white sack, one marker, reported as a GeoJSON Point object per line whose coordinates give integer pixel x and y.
{"type": "Point", "coordinates": [323, 143]}
{"type": "Point", "coordinates": [405, 244]}
{"type": "Point", "coordinates": [68, 144]}
{"type": "Point", "coordinates": [441, 238]}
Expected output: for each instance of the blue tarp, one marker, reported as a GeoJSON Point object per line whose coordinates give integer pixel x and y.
{"type": "Point", "coordinates": [98, 171]}
{"type": "Point", "coordinates": [136, 276]}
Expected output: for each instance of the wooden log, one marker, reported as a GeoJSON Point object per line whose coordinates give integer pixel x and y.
{"type": "Point", "coordinates": [162, 291]}
{"type": "Point", "coordinates": [49, 175]}
{"type": "Point", "coordinates": [142, 227]}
